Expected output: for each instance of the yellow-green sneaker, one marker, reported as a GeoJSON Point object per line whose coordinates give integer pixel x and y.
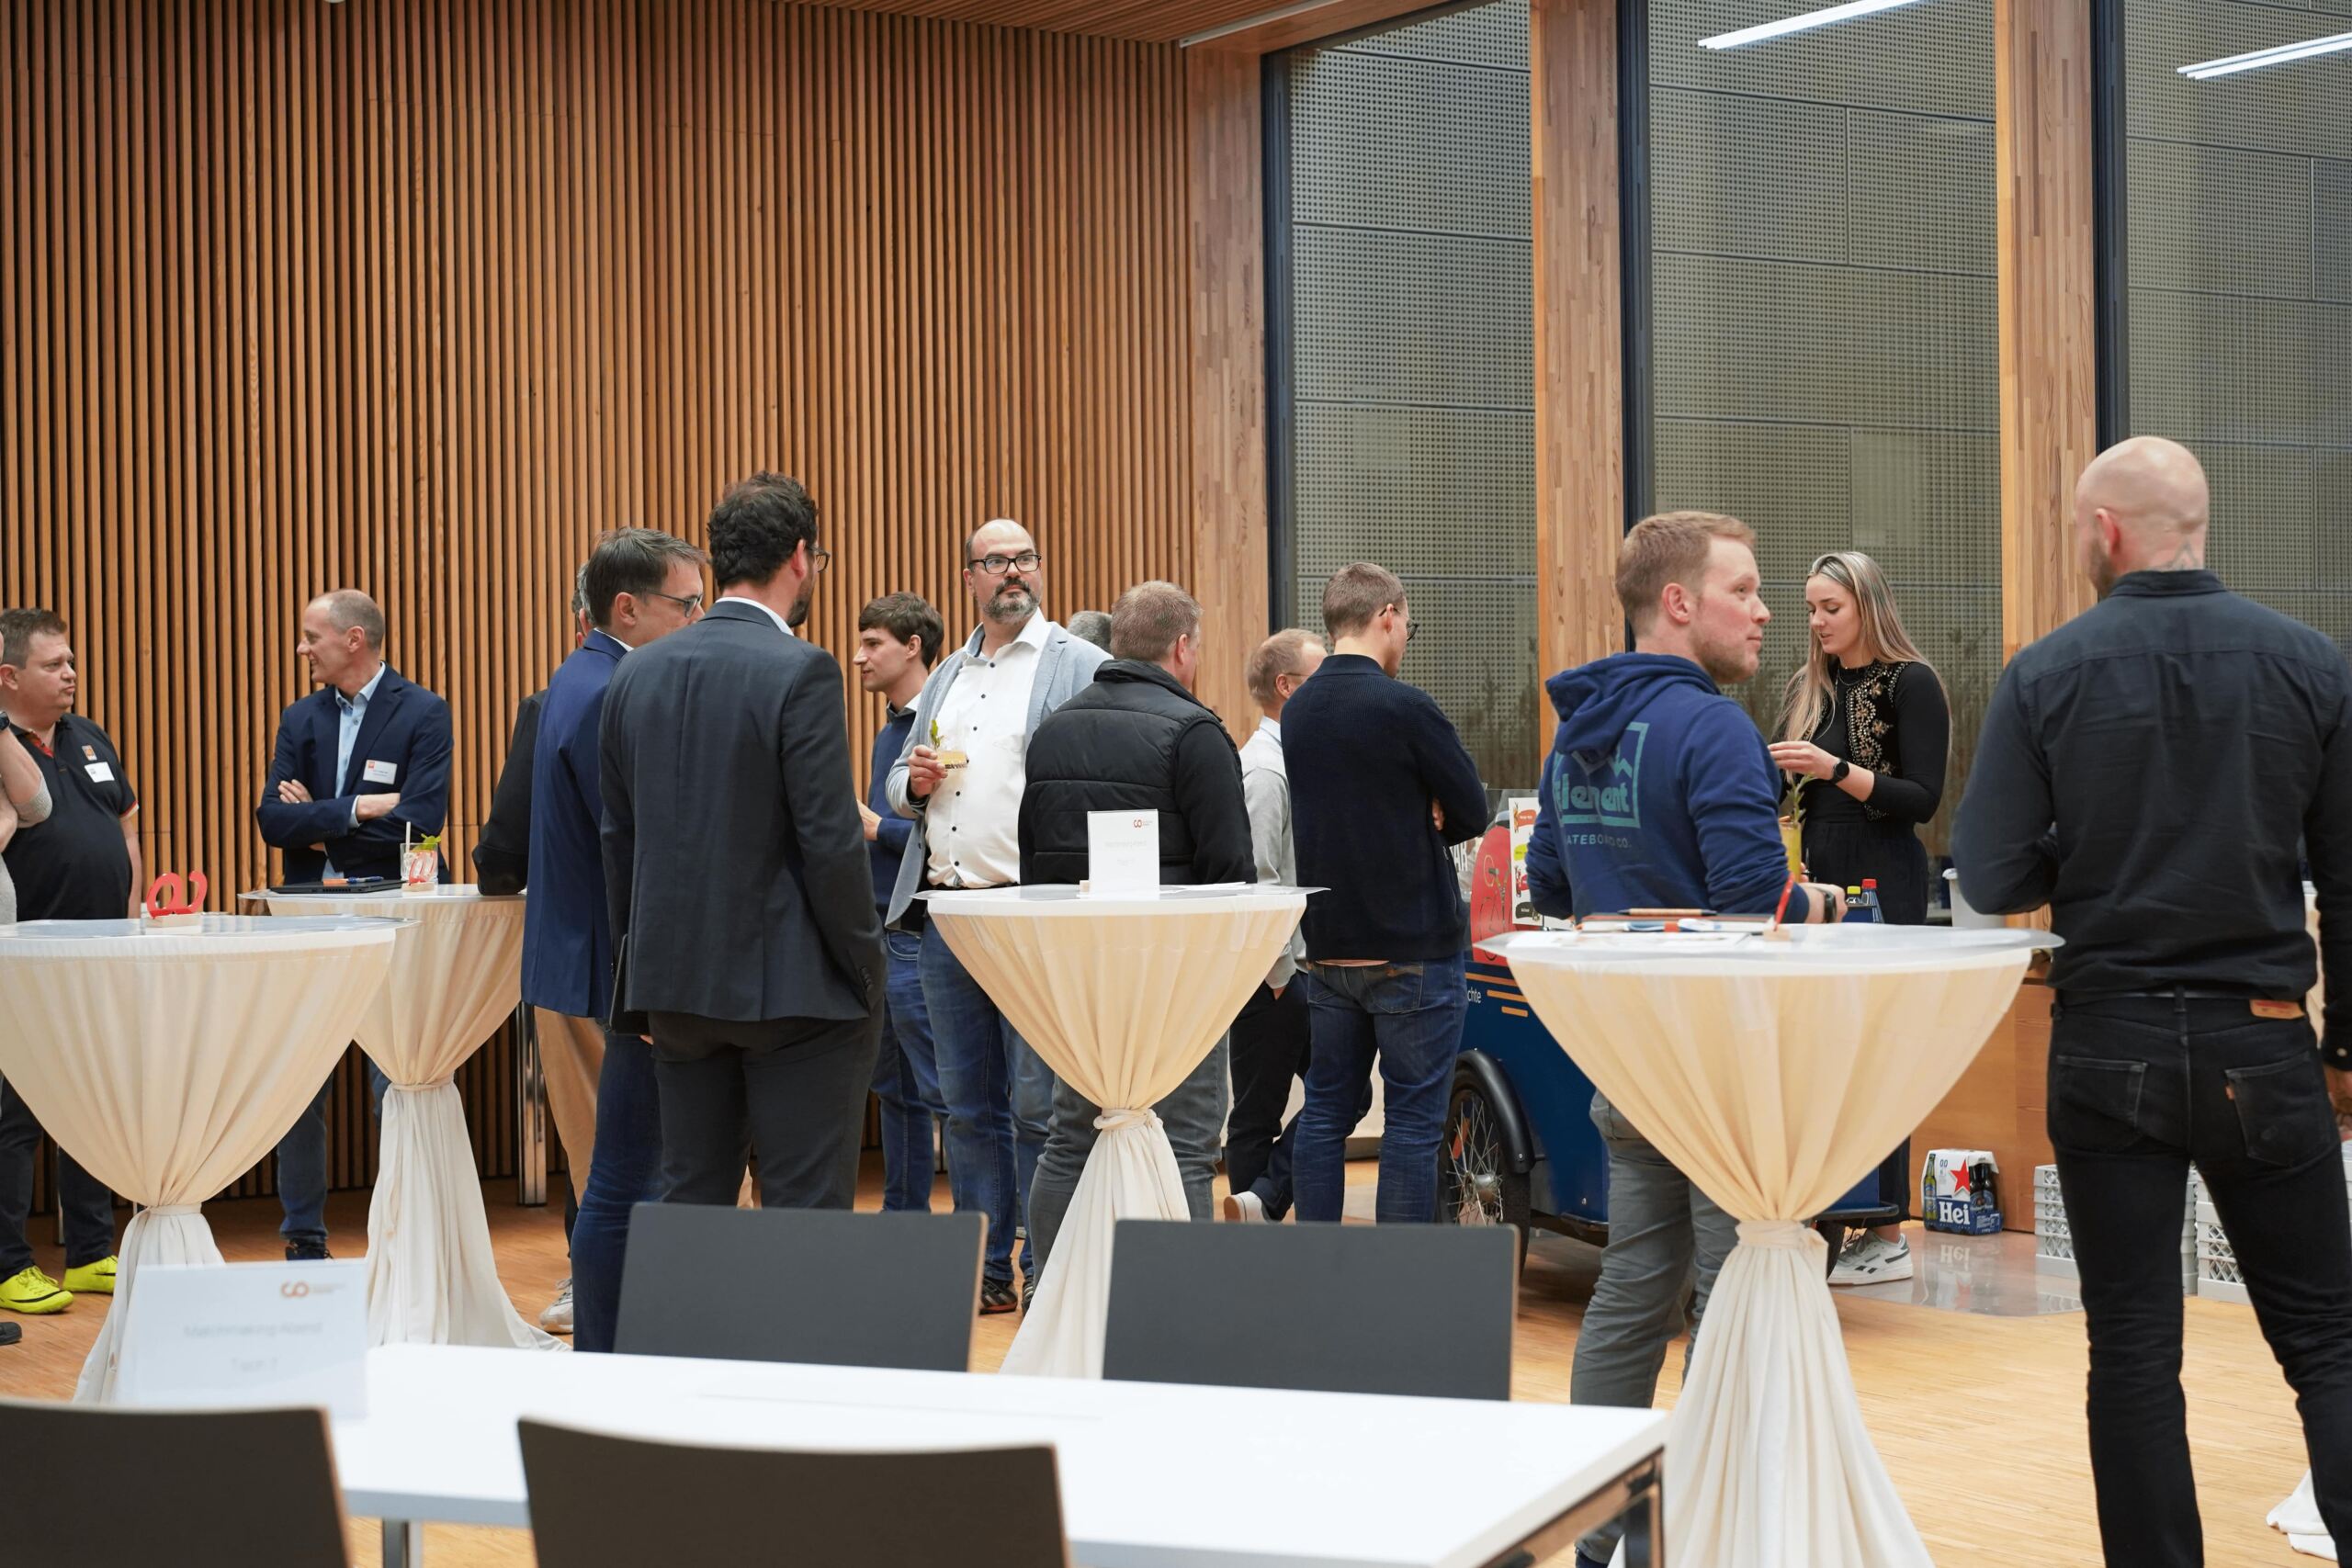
{"type": "Point", "coordinates": [35, 1293]}
{"type": "Point", "coordinates": [92, 1279]}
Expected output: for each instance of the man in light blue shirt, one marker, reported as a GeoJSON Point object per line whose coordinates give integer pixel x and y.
{"type": "Point", "coordinates": [360, 764]}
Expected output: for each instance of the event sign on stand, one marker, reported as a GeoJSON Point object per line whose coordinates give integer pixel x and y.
{"type": "Point", "coordinates": [168, 1059]}
{"type": "Point", "coordinates": [455, 975]}
{"type": "Point", "coordinates": [1775, 1069]}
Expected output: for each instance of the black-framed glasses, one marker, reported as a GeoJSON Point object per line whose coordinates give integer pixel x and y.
{"type": "Point", "coordinates": [690, 606]}
{"type": "Point", "coordinates": [818, 559]}
{"type": "Point", "coordinates": [1412, 627]}
{"type": "Point", "coordinates": [997, 565]}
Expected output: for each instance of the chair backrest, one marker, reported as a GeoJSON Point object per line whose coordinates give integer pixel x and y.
{"type": "Point", "coordinates": [118, 1488]}
{"type": "Point", "coordinates": [1340, 1308]}
{"type": "Point", "coordinates": [820, 1286]}
{"type": "Point", "coordinates": [599, 1501]}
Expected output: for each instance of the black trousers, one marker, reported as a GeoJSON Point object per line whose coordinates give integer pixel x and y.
{"type": "Point", "coordinates": [798, 1084]}
{"type": "Point", "coordinates": [1271, 1040]}
{"type": "Point", "coordinates": [89, 1207]}
{"type": "Point", "coordinates": [2140, 1087]}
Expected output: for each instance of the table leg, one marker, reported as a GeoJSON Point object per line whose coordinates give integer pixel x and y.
{"type": "Point", "coordinates": [403, 1544]}
{"type": "Point", "coordinates": [530, 1113]}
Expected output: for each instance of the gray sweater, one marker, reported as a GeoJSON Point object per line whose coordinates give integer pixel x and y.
{"type": "Point", "coordinates": [29, 812]}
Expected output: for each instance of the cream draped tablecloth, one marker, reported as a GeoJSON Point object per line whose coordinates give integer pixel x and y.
{"type": "Point", "coordinates": [1123, 998]}
{"type": "Point", "coordinates": [1775, 1074]}
{"type": "Point", "coordinates": [457, 971]}
{"type": "Point", "coordinates": [168, 1062]}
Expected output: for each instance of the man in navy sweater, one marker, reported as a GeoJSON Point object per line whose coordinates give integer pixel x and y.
{"type": "Point", "coordinates": [1381, 788]}
{"type": "Point", "coordinates": [898, 642]}
{"type": "Point", "coordinates": [1660, 793]}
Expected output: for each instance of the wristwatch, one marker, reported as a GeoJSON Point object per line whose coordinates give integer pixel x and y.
{"type": "Point", "coordinates": [1837, 774]}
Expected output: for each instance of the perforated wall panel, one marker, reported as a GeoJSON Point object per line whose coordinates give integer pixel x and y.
{"type": "Point", "coordinates": [1825, 343]}
{"type": "Point", "coordinates": [1411, 421]}
{"type": "Point", "coordinates": [2239, 193]}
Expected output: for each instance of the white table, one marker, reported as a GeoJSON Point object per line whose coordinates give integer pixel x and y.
{"type": "Point", "coordinates": [1775, 1071]}
{"type": "Point", "coordinates": [167, 1062]}
{"type": "Point", "coordinates": [1353, 1480]}
{"type": "Point", "coordinates": [1123, 998]}
{"type": "Point", "coordinates": [456, 971]}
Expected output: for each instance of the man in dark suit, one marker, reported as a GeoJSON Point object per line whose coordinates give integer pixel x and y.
{"type": "Point", "coordinates": [642, 586]}
{"type": "Point", "coordinates": [359, 762]}
{"type": "Point", "coordinates": [742, 900]}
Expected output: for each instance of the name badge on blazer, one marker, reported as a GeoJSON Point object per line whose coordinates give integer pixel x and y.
{"type": "Point", "coordinates": [379, 773]}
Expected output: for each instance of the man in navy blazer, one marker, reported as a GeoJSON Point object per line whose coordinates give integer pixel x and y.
{"type": "Point", "coordinates": [359, 762]}
{"type": "Point", "coordinates": [640, 586]}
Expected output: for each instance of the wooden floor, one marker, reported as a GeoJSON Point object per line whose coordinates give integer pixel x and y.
{"type": "Point", "coordinates": [1979, 1419]}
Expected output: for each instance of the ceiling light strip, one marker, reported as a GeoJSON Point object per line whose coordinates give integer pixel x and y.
{"type": "Point", "coordinates": [2229, 66]}
{"type": "Point", "coordinates": [1802, 23]}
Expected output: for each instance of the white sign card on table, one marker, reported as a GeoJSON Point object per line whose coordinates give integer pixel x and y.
{"type": "Point", "coordinates": [251, 1334]}
{"type": "Point", "coordinates": [1122, 853]}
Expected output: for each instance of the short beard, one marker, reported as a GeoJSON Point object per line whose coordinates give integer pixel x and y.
{"type": "Point", "coordinates": [1002, 613]}
{"type": "Point", "coordinates": [1725, 666]}
{"type": "Point", "coordinates": [799, 615]}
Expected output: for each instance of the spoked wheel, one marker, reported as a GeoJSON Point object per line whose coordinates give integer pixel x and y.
{"type": "Point", "coordinates": [1476, 1183]}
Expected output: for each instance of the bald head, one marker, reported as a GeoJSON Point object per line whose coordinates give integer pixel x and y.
{"type": "Point", "coordinates": [2140, 506]}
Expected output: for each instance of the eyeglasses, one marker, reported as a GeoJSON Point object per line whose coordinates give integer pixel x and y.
{"type": "Point", "coordinates": [1412, 628]}
{"type": "Point", "coordinates": [690, 606]}
{"type": "Point", "coordinates": [818, 559]}
{"type": "Point", "coordinates": [995, 566]}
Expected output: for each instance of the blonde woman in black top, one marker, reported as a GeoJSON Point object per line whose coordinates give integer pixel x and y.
{"type": "Point", "coordinates": [1864, 734]}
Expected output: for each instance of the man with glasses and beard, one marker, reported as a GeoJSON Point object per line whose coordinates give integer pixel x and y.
{"type": "Point", "coordinates": [961, 779]}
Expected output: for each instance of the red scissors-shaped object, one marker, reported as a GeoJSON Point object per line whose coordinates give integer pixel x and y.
{"type": "Point", "coordinates": [169, 896]}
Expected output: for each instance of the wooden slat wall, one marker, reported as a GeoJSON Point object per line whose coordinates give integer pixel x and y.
{"type": "Point", "coordinates": [419, 297]}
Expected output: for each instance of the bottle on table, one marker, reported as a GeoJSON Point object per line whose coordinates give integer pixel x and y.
{"type": "Point", "coordinates": [1861, 904]}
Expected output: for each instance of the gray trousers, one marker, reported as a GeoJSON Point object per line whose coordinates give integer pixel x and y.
{"type": "Point", "coordinates": [1195, 1115]}
{"type": "Point", "coordinates": [1667, 1241]}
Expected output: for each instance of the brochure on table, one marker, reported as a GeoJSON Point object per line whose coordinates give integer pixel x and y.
{"type": "Point", "coordinates": [1123, 854]}
{"type": "Point", "coordinates": [248, 1334]}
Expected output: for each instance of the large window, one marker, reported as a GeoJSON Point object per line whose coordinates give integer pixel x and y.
{"type": "Point", "coordinates": [1822, 306]}
{"type": "Point", "coordinates": [1402, 257]}
{"type": "Point", "coordinates": [2238, 263]}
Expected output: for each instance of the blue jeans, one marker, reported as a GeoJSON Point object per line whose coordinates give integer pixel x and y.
{"type": "Point", "coordinates": [906, 1080]}
{"type": "Point", "coordinates": [625, 1172]}
{"type": "Point", "coordinates": [1406, 1019]}
{"type": "Point", "coordinates": [1000, 1098]}
{"type": "Point", "coordinates": [302, 1163]}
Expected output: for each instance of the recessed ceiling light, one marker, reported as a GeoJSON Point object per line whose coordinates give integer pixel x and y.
{"type": "Point", "coordinates": [2230, 65]}
{"type": "Point", "coordinates": [1798, 24]}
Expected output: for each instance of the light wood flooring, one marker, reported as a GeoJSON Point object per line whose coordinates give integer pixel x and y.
{"type": "Point", "coordinates": [1979, 1419]}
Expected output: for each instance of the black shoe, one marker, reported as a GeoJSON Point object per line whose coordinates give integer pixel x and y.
{"type": "Point", "coordinates": [1028, 1293]}
{"type": "Point", "coordinates": [996, 1298]}
{"type": "Point", "coordinates": [307, 1252]}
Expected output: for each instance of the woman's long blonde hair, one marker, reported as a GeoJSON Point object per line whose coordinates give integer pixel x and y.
{"type": "Point", "coordinates": [1813, 687]}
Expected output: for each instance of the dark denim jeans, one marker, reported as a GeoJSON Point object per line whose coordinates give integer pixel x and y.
{"type": "Point", "coordinates": [1000, 1098]}
{"type": "Point", "coordinates": [1406, 1019]}
{"type": "Point", "coordinates": [626, 1172]}
{"type": "Point", "coordinates": [89, 1207]}
{"type": "Point", "coordinates": [906, 1081]}
{"type": "Point", "coordinates": [2139, 1087]}
{"type": "Point", "coordinates": [302, 1163]}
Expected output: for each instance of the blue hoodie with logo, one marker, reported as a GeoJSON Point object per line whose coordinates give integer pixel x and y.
{"type": "Point", "coordinates": [1659, 794]}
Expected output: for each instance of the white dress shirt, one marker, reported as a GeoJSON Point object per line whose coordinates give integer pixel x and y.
{"type": "Point", "coordinates": [350, 712]}
{"type": "Point", "coordinates": [1265, 789]}
{"type": "Point", "coordinates": [781, 624]}
{"type": "Point", "coordinates": [973, 825]}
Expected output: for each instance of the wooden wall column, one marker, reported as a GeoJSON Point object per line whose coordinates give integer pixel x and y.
{"type": "Point", "coordinates": [2048, 305]}
{"type": "Point", "coordinates": [1225, 217]}
{"type": "Point", "coordinates": [1579, 379]}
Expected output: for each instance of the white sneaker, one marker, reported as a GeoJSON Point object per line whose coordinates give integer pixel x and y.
{"type": "Point", "coordinates": [1245, 1208]}
{"type": "Point", "coordinates": [557, 1319]}
{"type": "Point", "coordinates": [1867, 1260]}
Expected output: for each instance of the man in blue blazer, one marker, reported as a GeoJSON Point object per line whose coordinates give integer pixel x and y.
{"type": "Point", "coordinates": [640, 586]}
{"type": "Point", "coordinates": [359, 762]}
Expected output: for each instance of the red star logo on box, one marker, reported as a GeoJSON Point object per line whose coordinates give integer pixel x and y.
{"type": "Point", "coordinates": [1959, 1179]}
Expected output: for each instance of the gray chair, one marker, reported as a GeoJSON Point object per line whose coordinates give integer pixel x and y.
{"type": "Point", "coordinates": [814, 1285]}
{"type": "Point", "coordinates": [599, 1501]}
{"type": "Point", "coordinates": [193, 1488]}
{"type": "Point", "coordinates": [1340, 1308]}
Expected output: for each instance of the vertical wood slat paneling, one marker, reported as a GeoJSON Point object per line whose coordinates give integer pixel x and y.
{"type": "Point", "coordinates": [420, 299]}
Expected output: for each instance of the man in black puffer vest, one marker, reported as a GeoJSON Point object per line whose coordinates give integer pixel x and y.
{"type": "Point", "coordinates": [1137, 741]}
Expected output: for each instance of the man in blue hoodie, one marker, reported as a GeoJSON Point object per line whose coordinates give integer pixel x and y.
{"type": "Point", "coordinates": [1661, 794]}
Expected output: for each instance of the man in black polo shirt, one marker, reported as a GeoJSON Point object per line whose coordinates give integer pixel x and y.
{"type": "Point", "coordinates": [80, 864]}
{"type": "Point", "coordinates": [2147, 770]}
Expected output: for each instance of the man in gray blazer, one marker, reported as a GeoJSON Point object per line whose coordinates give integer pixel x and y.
{"type": "Point", "coordinates": [747, 944]}
{"type": "Point", "coordinates": [961, 779]}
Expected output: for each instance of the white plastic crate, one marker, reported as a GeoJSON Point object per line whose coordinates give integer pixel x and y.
{"type": "Point", "coordinates": [2053, 1236]}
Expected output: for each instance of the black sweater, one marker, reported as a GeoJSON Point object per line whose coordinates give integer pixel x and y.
{"type": "Point", "coordinates": [502, 853]}
{"type": "Point", "coordinates": [1135, 740]}
{"type": "Point", "coordinates": [1367, 755]}
{"type": "Point", "coordinates": [1916, 741]}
